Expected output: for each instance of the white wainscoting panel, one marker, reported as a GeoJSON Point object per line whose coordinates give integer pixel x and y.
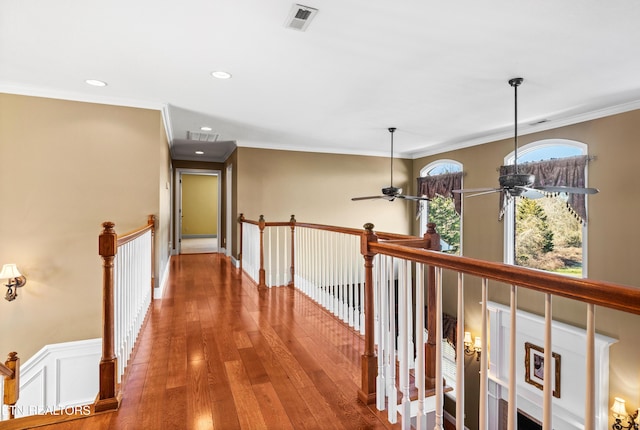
{"type": "Point", "coordinates": [59, 376]}
{"type": "Point", "coordinates": [570, 343]}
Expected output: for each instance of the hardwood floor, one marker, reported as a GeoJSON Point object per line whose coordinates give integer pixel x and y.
{"type": "Point", "coordinates": [216, 353]}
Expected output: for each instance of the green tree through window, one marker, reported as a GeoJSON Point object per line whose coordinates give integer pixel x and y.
{"type": "Point", "coordinates": [443, 214]}
{"type": "Point", "coordinates": [548, 235]}
{"type": "Point", "coordinates": [441, 210]}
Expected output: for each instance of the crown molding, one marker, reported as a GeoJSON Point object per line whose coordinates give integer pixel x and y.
{"type": "Point", "coordinates": [79, 97]}
{"type": "Point", "coordinates": [525, 129]}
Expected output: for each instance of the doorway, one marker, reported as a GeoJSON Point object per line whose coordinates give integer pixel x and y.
{"type": "Point", "coordinates": [197, 210]}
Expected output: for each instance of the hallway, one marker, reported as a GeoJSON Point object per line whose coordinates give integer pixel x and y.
{"type": "Point", "coordinates": [216, 353]}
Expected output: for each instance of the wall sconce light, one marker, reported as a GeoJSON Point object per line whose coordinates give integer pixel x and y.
{"type": "Point", "coordinates": [620, 413]}
{"type": "Point", "coordinates": [472, 348]}
{"type": "Point", "coordinates": [14, 279]}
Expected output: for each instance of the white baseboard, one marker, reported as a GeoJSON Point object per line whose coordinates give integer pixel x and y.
{"type": "Point", "coordinates": [58, 377]}
{"type": "Point", "coordinates": [158, 291]}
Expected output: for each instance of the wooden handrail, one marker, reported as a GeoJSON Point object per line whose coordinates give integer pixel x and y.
{"type": "Point", "coordinates": [5, 371]}
{"type": "Point", "coordinates": [607, 294]}
{"type": "Point", "coordinates": [132, 235]}
{"type": "Point", "coordinates": [335, 229]}
{"type": "Point", "coordinates": [594, 292]}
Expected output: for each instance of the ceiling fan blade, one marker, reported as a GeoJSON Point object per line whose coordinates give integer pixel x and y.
{"type": "Point", "coordinates": [368, 198]}
{"type": "Point", "coordinates": [483, 192]}
{"type": "Point", "coordinates": [570, 190]}
{"type": "Point", "coordinates": [475, 190]}
{"type": "Point", "coordinates": [416, 198]}
{"type": "Point", "coordinates": [531, 193]}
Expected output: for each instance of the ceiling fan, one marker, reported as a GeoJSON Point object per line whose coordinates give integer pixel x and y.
{"type": "Point", "coordinates": [391, 193]}
{"type": "Point", "coordinates": [521, 184]}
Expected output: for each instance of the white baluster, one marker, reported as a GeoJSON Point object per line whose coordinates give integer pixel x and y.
{"type": "Point", "coordinates": [392, 390]}
{"type": "Point", "coordinates": [590, 386]}
{"type": "Point", "coordinates": [381, 329]}
{"type": "Point", "coordinates": [548, 364]}
{"type": "Point", "coordinates": [421, 417]}
{"type": "Point", "coordinates": [484, 377]}
{"type": "Point", "coordinates": [460, 356]}
{"type": "Point", "coordinates": [403, 345]}
{"type": "Point", "coordinates": [513, 407]}
{"type": "Point", "coordinates": [438, 375]}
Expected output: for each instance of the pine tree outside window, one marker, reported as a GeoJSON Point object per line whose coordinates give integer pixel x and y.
{"type": "Point", "coordinates": [550, 233]}
{"type": "Point", "coordinates": [436, 181]}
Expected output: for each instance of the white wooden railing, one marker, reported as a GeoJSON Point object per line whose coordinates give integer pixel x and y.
{"type": "Point", "coordinates": [402, 323]}
{"type": "Point", "coordinates": [132, 292]}
{"type": "Point", "coordinates": [128, 282]}
{"type": "Point", "coordinates": [328, 263]}
{"type": "Point", "coordinates": [329, 270]}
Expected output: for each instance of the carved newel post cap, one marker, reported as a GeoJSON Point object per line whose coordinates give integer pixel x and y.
{"type": "Point", "coordinates": [108, 226]}
{"type": "Point", "coordinates": [293, 218]}
{"type": "Point", "coordinates": [241, 217]}
{"type": "Point", "coordinates": [13, 356]}
{"type": "Point", "coordinates": [369, 227]}
{"type": "Point", "coordinates": [261, 219]}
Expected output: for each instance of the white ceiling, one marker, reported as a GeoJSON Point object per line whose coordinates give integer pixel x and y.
{"type": "Point", "coordinates": [437, 71]}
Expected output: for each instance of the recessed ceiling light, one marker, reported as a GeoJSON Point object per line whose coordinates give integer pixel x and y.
{"type": "Point", "coordinates": [205, 128]}
{"type": "Point", "coordinates": [96, 83]}
{"type": "Point", "coordinates": [221, 74]}
{"type": "Point", "coordinates": [199, 152]}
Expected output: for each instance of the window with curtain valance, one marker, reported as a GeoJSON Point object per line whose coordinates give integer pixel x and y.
{"type": "Point", "coordinates": [442, 185]}
{"type": "Point", "coordinates": [569, 171]}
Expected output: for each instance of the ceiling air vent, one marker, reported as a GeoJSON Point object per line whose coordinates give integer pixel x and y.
{"type": "Point", "coordinates": [300, 16]}
{"type": "Point", "coordinates": [202, 136]}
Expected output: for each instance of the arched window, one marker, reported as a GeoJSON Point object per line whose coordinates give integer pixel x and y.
{"type": "Point", "coordinates": [547, 233]}
{"type": "Point", "coordinates": [436, 181]}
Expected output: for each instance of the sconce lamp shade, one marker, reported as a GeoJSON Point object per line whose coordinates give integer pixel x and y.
{"type": "Point", "coordinates": [467, 338]}
{"type": "Point", "coordinates": [478, 344]}
{"type": "Point", "coordinates": [14, 279]}
{"type": "Point", "coordinates": [10, 271]}
{"type": "Point", "coordinates": [618, 408]}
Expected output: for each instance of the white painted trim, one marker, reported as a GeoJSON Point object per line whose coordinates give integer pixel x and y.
{"type": "Point", "coordinates": [228, 177]}
{"type": "Point", "coordinates": [59, 376]}
{"type": "Point", "coordinates": [235, 262]}
{"type": "Point", "coordinates": [178, 207]}
{"type": "Point", "coordinates": [524, 129]}
{"type": "Point", "coordinates": [168, 128]}
{"type": "Point", "coordinates": [158, 291]}
{"type": "Point", "coordinates": [508, 256]}
{"type": "Point", "coordinates": [570, 343]}
{"type": "Point", "coordinates": [78, 97]}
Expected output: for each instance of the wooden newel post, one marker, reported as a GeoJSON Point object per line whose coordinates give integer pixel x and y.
{"type": "Point", "coordinates": [261, 273]}
{"type": "Point", "coordinates": [12, 383]}
{"type": "Point", "coordinates": [107, 247]}
{"type": "Point", "coordinates": [367, 393]}
{"type": "Point", "coordinates": [241, 222]}
{"type": "Point", "coordinates": [292, 221]}
{"type": "Point", "coordinates": [432, 239]}
{"type": "Point", "coordinates": [151, 220]}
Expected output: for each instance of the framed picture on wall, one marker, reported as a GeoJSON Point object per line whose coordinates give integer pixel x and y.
{"type": "Point", "coordinates": [534, 368]}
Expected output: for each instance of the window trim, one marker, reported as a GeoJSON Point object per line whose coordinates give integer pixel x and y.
{"type": "Point", "coordinates": [509, 223]}
{"type": "Point", "coordinates": [423, 213]}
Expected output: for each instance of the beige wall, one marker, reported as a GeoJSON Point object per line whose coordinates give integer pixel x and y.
{"type": "Point", "coordinates": [199, 205]}
{"type": "Point", "coordinates": [612, 255]}
{"type": "Point", "coordinates": [318, 188]}
{"type": "Point", "coordinates": [67, 167]}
